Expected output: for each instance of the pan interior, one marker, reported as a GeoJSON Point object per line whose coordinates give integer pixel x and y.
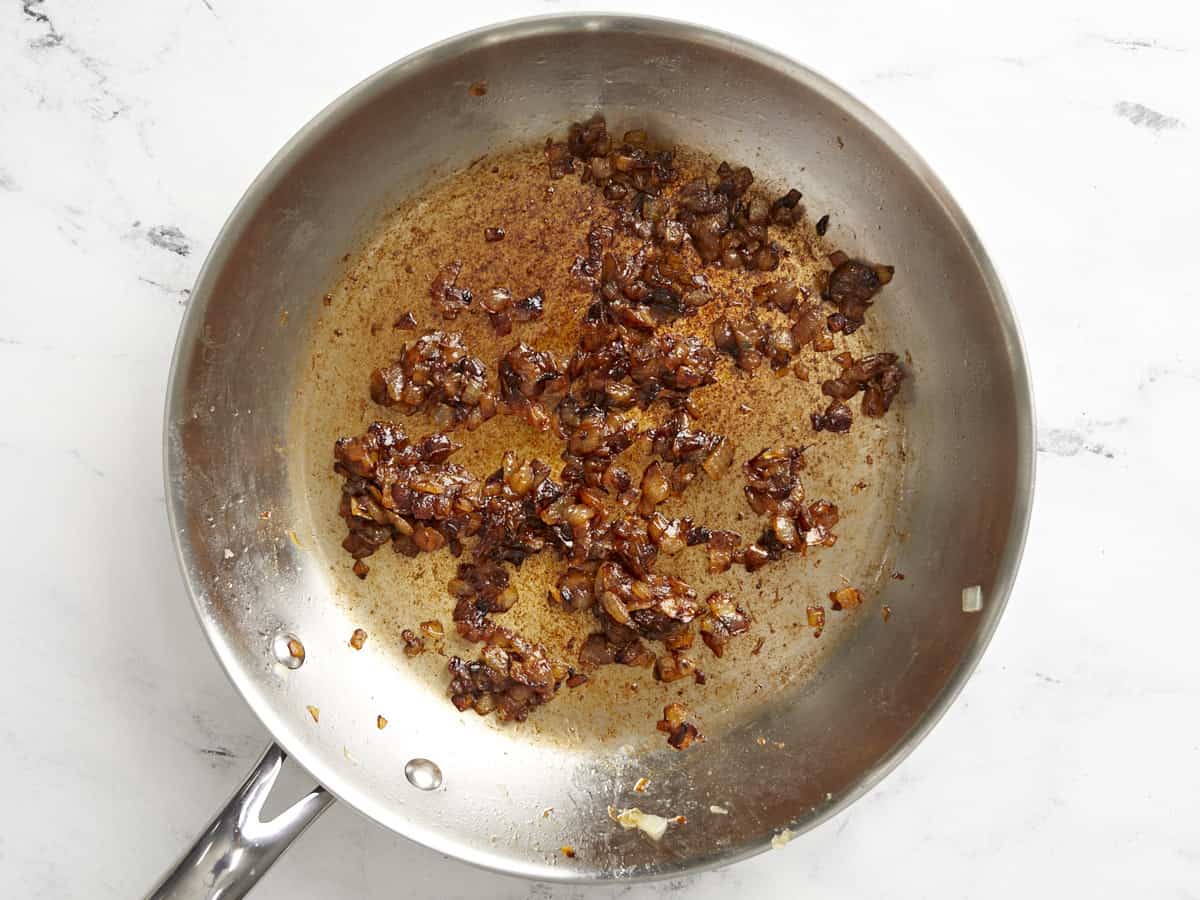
{"type": "Point", "coordinates": [262, 384]}
{"type": "Point", "coordinates": [546, 222]}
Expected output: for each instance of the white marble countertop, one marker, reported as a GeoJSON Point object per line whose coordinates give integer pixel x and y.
{"type": "Point", "coordinates": [1069, 132]}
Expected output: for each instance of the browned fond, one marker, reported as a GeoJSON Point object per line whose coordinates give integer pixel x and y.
{"type": "Point", "coordinates": [545, 223]}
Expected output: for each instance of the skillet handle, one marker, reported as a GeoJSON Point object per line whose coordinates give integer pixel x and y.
{"type": "Point", "coordinates": [237, 847]}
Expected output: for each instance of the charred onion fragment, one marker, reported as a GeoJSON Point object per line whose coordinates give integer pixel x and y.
{"type": "Point", "coordinates": [511, 676]}
{"type": "Point", "coordinates": [724, 620]}
{"type": "Point", "coordinates": [437, 374]}
{"type": "Point", "coordinates": [782, 295]}
{"type": "Point", "coordinates": [414, 644]}
{"type": "Point", "coordinates": [680, 733]}
{"type": "Point", "coordinates": [751, 342]}
{"type": "Point", "coordinates": [498, 304]}
{"type": "Point", "coordinates": [673, 666]}
{"type": "Point", "coordinates": [836, 418]}
{"type": "Point", "coordinates": [530, 382]}
{"type": "Point", "coordinates": [690, 450]}
{"type": "Point", "coordinates": [774, 490]}
{"type": "Point", "coordinates": [845, 598]}
{"type": "Point", "coordinates": [723, 550]}
{"type": "Point", "coordinates": [878, 376]}
{"type": "Point", "coordinates": [393, 487]}
{"type": "Point", "coordinates": [448, 298]}
{"type": "Point", "coordinates": [852, 285]}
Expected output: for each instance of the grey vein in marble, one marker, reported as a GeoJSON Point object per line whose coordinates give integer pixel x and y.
{"type": "Point", "coordinates": [1136, 44]}
{"type": "Point", "coordinates": [1146, 117]}
{"type": "Point", "coordinates": [1070, 442]}
{"type": "Point", "coordinates": [182, 295]}
{"type": "Point", "coordinates": [169, 238]}
{"type": "Point", "coordinates": [107, 105]}
{"type": "Point", "coordinates": [33, 11]}
{"type": "Point", "coordinates": [72, 453]}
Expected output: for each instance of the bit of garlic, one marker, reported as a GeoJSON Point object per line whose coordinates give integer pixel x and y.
{"type": "Point", "coordinates": [783, 838]}
{"type": "Point", "coordinates": [653, 826]}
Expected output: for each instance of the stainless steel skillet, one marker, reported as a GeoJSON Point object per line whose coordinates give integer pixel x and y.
{"type": "Point", "coordinates": [455, 782]}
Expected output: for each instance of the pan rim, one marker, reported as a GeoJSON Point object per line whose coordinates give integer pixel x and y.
{"type": "Point", "coordinates": [265, 182]}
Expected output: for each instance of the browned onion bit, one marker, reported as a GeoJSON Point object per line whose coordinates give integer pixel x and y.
{"type": "Point", "coordinates": [392, 487]}
{"type": "Point", "coordinates": [589, 139]}
{"type": "Point", "coordinates": [677, 440]}
{"type": "Point", "coordinates": [405, 322]}
{"type": "Point", "coordinates": [593, 438]}
{"type": "Point", "coordinates": [521, 513]}
{"type": "Point", "coordinates": [821, 517]}
{"type": "Point", "coordinates": [878, 376]}
{"type": "Point", "coordinates": [437, 373]}
{"type": "Point", "coordinates": [730, 226]}
{"type": "Point", "coordinates": [433, 628]}
{"type": "Point", "coordinates": [558, 158]}
{"type": "Point", "coordinates": [773, 484]}
{"type": "Point", "coordinates": [633, 603]}
{"type": "Point", "coordinates": [670, 368]}
{"type": "Point", "coordinates": [529, 309]}
{"type": "Point", "coordinates": [774, 490]}
{"type": "Point", "coordinates": [722, 550]}
{"type": "Point", "coordinates": [630, 175]}
{"type": "Point", "coordinates": [531, 380]}
{"type": "Point", "coordinates": [673, 666]}
{"type": "Point", "coordinates": [851, 286]}
{"type": "Point", "coordinates": [727, 223]}
{"type": "Point", "coordinates": [680, 733]}
{"type": "Point", "coordinates": [724, 620]}
{"type": "Point", "coordinates": [573, 590]}
{"type": "Point", "coordinates": [485, 584]}
{"type": "Point", "coordinates": [651, 286]}
{"type": "Point", "coordinates": [498, 303]}
{"type": "Point", "coordinates": [586, 270]}
{"type": "Point", "coordinates": [845, 598]}
{"type": "Point", "coordinates": [663, 606]}
{"type": "Point", "coordinates": [808, 327]}
{"type": "Point", "coordinates": [681, 640]}
{"type": "Point", "coordinates": [448, 298]}
{"type": "Point", "coordinates": [491, 235]}
{"type": "Point", "coordinates": [669, 535]}
{"type": "Point", "coordinates": [503, 311]}
{"type": "Point", "coordinates": [656, 487]}
{"type": "Point", "coordinates": [836, 418]}
{"type": "Point", "coordinates": [780, 294]}
{"type": "Point", "coordinates": [623, 648]}
{"type": "Point", "coordinates": [414, 644]}
{"type": "Point", "coordinates": [614, 368]}
{"type": "Point", "coordinates": [511, 677]}
{"type": "Point", "coordinates": [751, 342]}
